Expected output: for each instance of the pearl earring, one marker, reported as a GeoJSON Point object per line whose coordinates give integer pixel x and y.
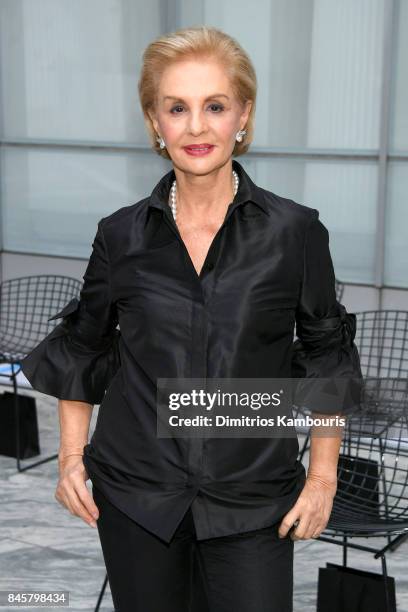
{"type": "Point", "coordinates": [240, 135]}
{"type": "Point", "coordinates": [161, 142]}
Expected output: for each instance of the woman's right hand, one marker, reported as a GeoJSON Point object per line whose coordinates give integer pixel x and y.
{"type": "Point", "coordinates": [72, 492]}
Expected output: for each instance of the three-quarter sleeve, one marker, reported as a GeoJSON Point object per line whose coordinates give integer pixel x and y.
{"type": "Point", "coordinates": [80, 356]}
{"type": "Point", "coordinates": [325, 350]}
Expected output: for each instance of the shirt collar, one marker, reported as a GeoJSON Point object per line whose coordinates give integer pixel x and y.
{"type": "Point", "coordinates": [248, 191]}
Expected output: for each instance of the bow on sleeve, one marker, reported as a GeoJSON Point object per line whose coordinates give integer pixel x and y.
{"type": "Point", "coordinates": [79, 357]}
{"type": "Point", "coordinates": [82, 328]}
{"type": "Point", "coordinates": [325, 352]}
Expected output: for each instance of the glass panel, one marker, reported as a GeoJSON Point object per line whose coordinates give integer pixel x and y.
{"type": "Point", "coordinates": [396, 238]}
{"type": "Point", "coordinates": [319, 86]}
{"type": "Point", "coordinates": [52, 200]}
{"type": "Point", "coordinates": [399, 104]}
{"type": "Point", "coordinates": [70, 68]}
{"type": "Point", "coordinates": [318, 64]}
{"type": "Point", "coordinates": [344, 193]}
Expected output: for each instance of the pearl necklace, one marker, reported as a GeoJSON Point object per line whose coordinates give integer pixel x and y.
{"type": "Point", "coordinates": [173, 203]}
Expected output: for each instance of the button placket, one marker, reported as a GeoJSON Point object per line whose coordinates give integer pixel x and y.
{"type": "Point", "coordinates": [199, 343]}
{"type": "Point", "coordinates": [205, 282]}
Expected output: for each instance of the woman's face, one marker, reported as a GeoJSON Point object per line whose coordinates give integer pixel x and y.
{"type": "Point", "coordinates": [196, 106]}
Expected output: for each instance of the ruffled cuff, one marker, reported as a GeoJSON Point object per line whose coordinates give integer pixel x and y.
{"type": "Point", "coordinates": [326, 350]}
{"type": "Point", "coordinates": [74, 361]}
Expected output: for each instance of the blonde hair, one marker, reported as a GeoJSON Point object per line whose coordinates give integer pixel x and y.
{"type": "Point", "coordinates": [198, 42]}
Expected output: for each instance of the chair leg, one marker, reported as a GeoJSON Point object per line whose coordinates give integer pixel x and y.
{"type": "Point", "coordinates": [387, 593]}
{"type": "Point", "coordinates": [16, 418]}
{"type": "Point", "coordinates": [101, 594]}
{"type": "Point", "coordinates": [304, 447]}
{"type": "Point", "coordinates": [398, 542]}
{"type": "Point", "coordinates": [344, 551]}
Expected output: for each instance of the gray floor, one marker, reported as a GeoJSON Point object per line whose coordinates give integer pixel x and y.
{"type": "Point", "coordinates": [44, 547]}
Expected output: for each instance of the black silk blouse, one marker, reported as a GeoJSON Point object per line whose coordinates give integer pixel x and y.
{"type": "Point", "coordinates": [145, 313]}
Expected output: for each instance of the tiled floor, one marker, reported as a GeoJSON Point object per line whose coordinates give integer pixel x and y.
{"type": "Point", "coordinates": [42, 546]}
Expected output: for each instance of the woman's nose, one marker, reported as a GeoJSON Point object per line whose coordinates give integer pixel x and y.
{"type": "Point", "coordinates": [197, 123]}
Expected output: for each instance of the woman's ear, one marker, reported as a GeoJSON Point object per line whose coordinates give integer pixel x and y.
{"type": "Point", "coordinates": [153, 120]}
{"type": "Point", "coordinates": [245, 113]}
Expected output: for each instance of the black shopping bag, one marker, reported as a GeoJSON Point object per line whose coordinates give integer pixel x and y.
{"type": "Point", "coordinates": [346, 589]}
{"type": "Point", "coordinates": [29, 441]}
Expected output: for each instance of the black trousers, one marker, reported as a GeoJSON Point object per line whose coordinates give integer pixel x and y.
{"type": "Point", "coordinates": [245, 572]}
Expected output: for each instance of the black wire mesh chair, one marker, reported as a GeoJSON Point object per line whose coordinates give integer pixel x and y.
{"type": "Point", "coordinates": [382, 343]}
{"type": "Point", "coordinates": [26, 303]}
{"type": "Point", "coordinates": [101, 593]}
{"type": "Point", "coordinates": [372, 492]}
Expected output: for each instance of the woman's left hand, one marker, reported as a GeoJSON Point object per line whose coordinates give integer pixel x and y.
{"type": "Point", "coordinates": [312, 509]}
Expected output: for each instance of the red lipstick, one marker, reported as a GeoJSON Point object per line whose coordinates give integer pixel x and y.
{"type": "Point", "coordinates": [198, 150]}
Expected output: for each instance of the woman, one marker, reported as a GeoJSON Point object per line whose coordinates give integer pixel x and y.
{"type": "Point", "coordinates": [206, 277]}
